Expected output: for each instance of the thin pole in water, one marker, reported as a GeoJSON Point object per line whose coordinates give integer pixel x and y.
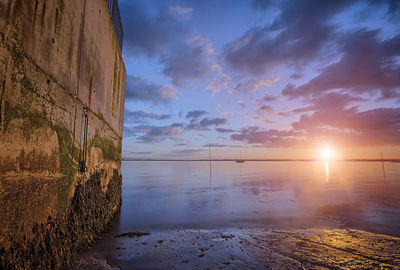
{"type": "Point", "coordinates": [383, 167]}
{"type": "Point", "coordinates": [209, 157]}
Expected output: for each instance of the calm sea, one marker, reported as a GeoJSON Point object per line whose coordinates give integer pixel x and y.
{"type": "Point", "coordinates": [289, 194]}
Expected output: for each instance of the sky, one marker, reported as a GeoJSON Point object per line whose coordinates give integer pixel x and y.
{"type": "Point", "coordinates": [261, 78]}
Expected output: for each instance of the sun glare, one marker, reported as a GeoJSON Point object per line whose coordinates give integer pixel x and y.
{"type": "Point", "coordinates": [326, 153]}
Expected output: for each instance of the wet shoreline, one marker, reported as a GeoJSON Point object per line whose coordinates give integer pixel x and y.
{"type": "Point", "coordinates": [244, 248]}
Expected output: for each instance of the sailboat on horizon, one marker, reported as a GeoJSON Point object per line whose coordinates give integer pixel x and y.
{"type": "Point", "coordinates": [240, 160]}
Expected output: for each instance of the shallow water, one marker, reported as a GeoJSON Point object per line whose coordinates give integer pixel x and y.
{"type": "Point", "coordinates": [170, 194]}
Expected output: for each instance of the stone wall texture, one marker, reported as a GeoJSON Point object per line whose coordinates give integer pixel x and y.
{"type": "Point", "coordinates": [57, 57]}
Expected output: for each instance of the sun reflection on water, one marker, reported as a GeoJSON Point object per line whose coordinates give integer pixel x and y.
{"type": "Point", "coordinates": [326, 170]}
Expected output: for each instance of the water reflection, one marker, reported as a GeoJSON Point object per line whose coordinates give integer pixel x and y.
{"type": "Point", "coordinates": [171, 194]}
{"type": "Point", "coordinates": [326, 171]}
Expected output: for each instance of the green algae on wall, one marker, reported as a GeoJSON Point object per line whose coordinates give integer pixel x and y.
{"type": "Point", "coordinates": [35, 118]}
{"type": "Point", "coordinates": [68, 165]}
{"type": "Point", "coordinates": [111, 152]}
{"type": "Point", "coordinates": [68, 151]}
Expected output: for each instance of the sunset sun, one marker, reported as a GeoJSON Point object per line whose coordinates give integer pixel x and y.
{"type": "Point", "coordinates": [326, 153]}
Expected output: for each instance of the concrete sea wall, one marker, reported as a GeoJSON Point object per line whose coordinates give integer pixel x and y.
{"type": "Point", "coordinates": [60, 67]}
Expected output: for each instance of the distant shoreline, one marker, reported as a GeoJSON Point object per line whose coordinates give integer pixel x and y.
{"type": "Point", "coordinates": [232, 159]}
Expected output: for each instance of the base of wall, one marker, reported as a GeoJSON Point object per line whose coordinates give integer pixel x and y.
{"type": "Point", "coordinates": [53, 244]}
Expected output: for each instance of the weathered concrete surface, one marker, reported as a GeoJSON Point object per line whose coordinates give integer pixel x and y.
{"type": "Point", "coordinates": [57, 57]}
{"type": "Point", "coordinates": [246, 248]}
{"type": "Point", "coordinates": [52, 244]}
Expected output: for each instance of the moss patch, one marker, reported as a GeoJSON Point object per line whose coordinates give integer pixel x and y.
{"type": "Point", "coordinates": [36, 119]}
{"type": "Point", "coordinates": [68, 165]}
{"type": "Point", "coordinates": [68, 152]}
{"type": "Point", "coordinates": [26, 85]}
{"type": "Point", "coordinates": [110, 150]}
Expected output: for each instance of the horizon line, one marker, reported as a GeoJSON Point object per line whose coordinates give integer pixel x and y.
{"type": "Point", "coordinates": [270, 159]}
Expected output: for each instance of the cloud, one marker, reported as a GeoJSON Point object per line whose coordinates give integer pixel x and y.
{"type": "Point", "coordinates": [368, 65]}
{"type": "Point", "coordinates": [187, 151]}
{"type": "Point", "coordinates": [189, 60]}
{"type": "Point", "coordinates": [139, 153]}
{"type": "Point", "coordinates": [295, 37]}
{"type": "Point", "coordinates": [195, 114]}
{"type": "Point", "coordinates": [296, 76]}
{"type": "Point", "coordinates": [393, 7]}
{"type": "Point", "coordinates": [265, 109]}
{"type": "Point", "coordinates": [183, 12]}
{"type": "Point", "coordinates": [267, 137]}
{"type": "Point", "coordinates": [253, 85]}
{"type": "Point", "coordinates": [181, 144]}
{"type": "Point", "coordinates": [183, 52]}
{"type": "Point", "coordinates": [205, 123]}
{"type": "Point", "coordinates": [140, 89]}
{"type": "Point", "coordinates": [378, 127]}
{"type": "Point", "coordinates": [332, 101]}
{"type": "Point", "coordinates": [156, 134]}
{"type": "Point", "coordinates": [140, 116]}
{"type": "Point", "coordinates": [263, 4]}
{"type": "Point", "coordinates": [129, 132]}
{"type": "Point", "coordinates": [145, 33]}
{"type": "Point", "coordinates": [268, 98]}
{"type": "Point", "coordinates": [217, 145]}
{"type": "Point", "coordinates": [224, 130]}
{"type": "Point", "coordinates": [332, 118]}
{"type": "Point", "coordinates": [219, 83]}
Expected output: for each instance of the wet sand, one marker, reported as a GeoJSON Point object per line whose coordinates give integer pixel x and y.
{"type": "Point", "coordinates": [245, 248]}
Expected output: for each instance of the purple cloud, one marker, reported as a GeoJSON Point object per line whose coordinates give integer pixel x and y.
{"type": "Point", "coordinates": [332, 101]}
{"type": "Point", "coordinates": [379, 126]}
{"type": "Point", "coordinates": [217, 145]}
{"type": "Point", "coordinates": [368, 65]}
{"type": "Point", "coordinates": [149, 34]}
{"type": "Point", "coordinates": [140, 153]}
{"type": "Point", "coordinates": [252, 85]}
{"type": "Point", "coordinates": [295, 37]}
{"type": "Point", "coordinates": [182, 51]}
{"type": "Point", "coordinates": [267, 137]}
{"type": "Point", "coordinates": [140, 89]}
{"type": "Point", "coordinates": [268, 98]}
{"type": "Point", "coordinates": [224, 130]}
{"type": "Point", "coordinates": [187, 151]}
{"type": "Point", "coordinates": [205, 123]}
{"type": "Point", "coordinates": [188, 60]}
{"type": "Point", "coordinates": [195, 114]}
{"type": "Point", "coordinates": [156, 134]}
{"type": "Point", "coordinates": [341, 124]}
{"type": "Point", "coordinates": [140, 116]}
{"type": "Point", "coordinates": [265, 109]}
